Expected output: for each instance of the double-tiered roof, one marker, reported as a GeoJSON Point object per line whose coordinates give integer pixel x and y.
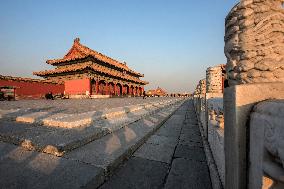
{"type": "Point", "coordinates": [80, 58]}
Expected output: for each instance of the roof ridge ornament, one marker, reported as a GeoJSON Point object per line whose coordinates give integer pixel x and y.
{"type": "Point", "coordinates": [77, 40]}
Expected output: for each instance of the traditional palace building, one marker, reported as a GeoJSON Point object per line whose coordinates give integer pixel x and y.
{"type": "Point", "coordinates": [88, 72]}
{"type": "Point", "coordinates": [156, 92]}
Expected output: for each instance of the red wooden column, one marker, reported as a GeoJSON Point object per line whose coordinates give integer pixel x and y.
{"type": "Point", "coordinates": [115, 92]}
{"type": "Point", "coordinates": [134, 91]}
{"type": "Point", "coordinates": [123, 89]}
{"type": "Point", "coordinates": [138, 91]}
{"type": "Point", "coordinates": [97, 86]}
{"type": "Point", "coordinates": [107, 89]}
{"type": "Point", "coordinates": [131, 91]}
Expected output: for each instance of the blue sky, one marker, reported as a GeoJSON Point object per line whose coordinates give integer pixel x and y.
{"type": "Point", "coordinates": [171, 41]}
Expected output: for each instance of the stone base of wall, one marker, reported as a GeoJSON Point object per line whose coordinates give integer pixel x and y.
{"type": "Point", "coordinates": [100, 96]}
{"type": "Point", "coordinates": [79, 96]}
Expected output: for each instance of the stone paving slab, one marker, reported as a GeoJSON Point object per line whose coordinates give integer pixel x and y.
{"type": "Point", "coordinates": [190, 152]}
{"type": "Point", "coordinates": [186, 141]}
{"type": "Point", "coordinates": [190, 130]}
{"type": "Point", "coordinates": [158, 147]}
{"type": "Point", "coordinates": [4, 113]}
{"type": "Point", "coordinates": [138, 173]}
{"type": "Point", "coordinates": [26, 169]}
{"type": "Point", "coordinates": [12, 114]}
{"type": "Point", "coordinates": [188, 174]}
{"type": "Point", "coordinates": [175, 120]}
{"type": "Point", "coordinates": [162, 140]}
{"type": "Point", "coordinates": [161, 152]}
{"type": "Point", "coordinates": [192, 137]}
{"type": "Point", "coordinates": [111, 150]}
{"type": "Point", "coordinates": [169, 132]}
{"type": "Point", "coordinates": [34, 117]}
{"type": "Point", "coordinates": [16, 133]}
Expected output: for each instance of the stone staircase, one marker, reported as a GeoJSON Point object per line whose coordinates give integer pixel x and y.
{"type": "Point", "coordinates": [82, 149]}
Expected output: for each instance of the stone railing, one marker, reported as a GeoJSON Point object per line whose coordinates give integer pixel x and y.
{"type": "Point", "coordinates": [209, 108]}
{"type": "Point", "coordinates": [266, 143]}
{"type": "Point", "coordinates": [247, 146]}
{"type": "Point", "coordinates": [229, 134]}
{"type": "Point", "coordinates": [216, 134]}
{"type": "Point", "coordinates": [199, 102]}
{"type": "Point", "coordinates": [215, 112]}
{"type": "Point", "coordinates": [255, 70]}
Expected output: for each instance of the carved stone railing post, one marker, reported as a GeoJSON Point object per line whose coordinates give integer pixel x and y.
{"type": "Point", "coordinates": [199, 101]}
{"type": "Point", "coordinates": [202, 85]}
{"type": "Point", "coordinates": [254, 49]}
{"type": "Point", "coordinates": [214, 127]}
{"type": "Point", "coordinates": [254, 44]}
{"type": "Point", "coordinates": [214, 89]}
{"type": "Point", "coordinates": [214, 79]}
{"type": "Point", "coordinates": [266, 155]}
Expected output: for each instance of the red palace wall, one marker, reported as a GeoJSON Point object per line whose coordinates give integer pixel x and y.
{"type": "Point", "coordinates": [77, 86]}
{"type": "Point", "coordinates": [28, 89]}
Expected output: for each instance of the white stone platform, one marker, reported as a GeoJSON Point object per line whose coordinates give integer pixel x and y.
{"type": "Point", "coordinates": [88, 153]}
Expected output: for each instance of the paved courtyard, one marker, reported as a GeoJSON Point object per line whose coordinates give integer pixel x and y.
{"type": "Point", "coordinates": [155, 141]}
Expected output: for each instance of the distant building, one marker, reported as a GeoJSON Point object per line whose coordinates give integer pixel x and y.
{"type": "Point", "coordinates": [88, 72]}
{"type": "Point", "coordinates": [156, 92]}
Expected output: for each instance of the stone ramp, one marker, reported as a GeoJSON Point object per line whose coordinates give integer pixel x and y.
{"type": "Point", "coordinates": [59, 140]}
{"type": "Point", "coordinates": [84, 167]}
